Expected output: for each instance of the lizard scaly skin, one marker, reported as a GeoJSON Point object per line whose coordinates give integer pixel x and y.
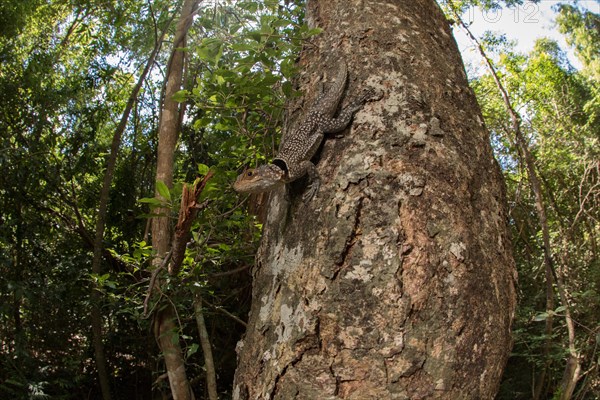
{"type": "Point", "coordinates": [293, 159]}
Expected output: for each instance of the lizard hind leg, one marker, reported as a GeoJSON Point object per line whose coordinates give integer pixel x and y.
{"type": "Point", "coordinates": [342, 121]}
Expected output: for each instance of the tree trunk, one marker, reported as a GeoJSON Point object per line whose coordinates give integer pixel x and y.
{"type": "Point", "coordinates": [397, 280]}
{"type": "Point", "coordinates": [96, 313]}
{"type": "Point", "coordinates": [165, 326]}
{"type": "Point", "coordinates": [209, 364]}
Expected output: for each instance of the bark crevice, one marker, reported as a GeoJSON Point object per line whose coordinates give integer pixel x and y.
{"type": "Point", "coordinates": [351, 238]}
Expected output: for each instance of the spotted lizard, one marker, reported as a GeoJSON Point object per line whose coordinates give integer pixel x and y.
{"type": "Point", "coordinates": [293, 160]}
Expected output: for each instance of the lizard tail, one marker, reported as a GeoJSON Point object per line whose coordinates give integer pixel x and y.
{"type": "Point", "coordinates": [328, 103]}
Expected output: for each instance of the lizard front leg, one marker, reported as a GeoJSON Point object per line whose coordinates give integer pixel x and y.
{"type": "Point", "coordinates": [314, 181]}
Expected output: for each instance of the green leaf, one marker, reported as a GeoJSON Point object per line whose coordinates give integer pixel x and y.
{"type": "Point", "coordinates": [181, 96]}
{"type": "Point", "coordinates": [222, 127]}
{"type": "Point", "coordinates": [255, 36]}
{"type": "Point", "coordinates": [244, 46]}
{"type": "Point", "coordinates": [541, 316]}
{"type": "Point", "coordinates": [203, 169]}
{"type": "Point", "coordinates": [270, 79]}
{"type": "Point", "coordinates": [163, 190]}
{"type": "Point", "coordinates": [211, 50]}
{"type": "Point", "coordinates": [224, 247]}
{"type": "Point", "coordinates": [150, 200]}
{"type": "Point", "coordinates": [314, 31]}
{"type": "Point", "coordinates": [250, 6]}
{"type": "Point", "coordinates": [192, 349]}
{"type": "Point", "coordinates": [220, 79]}
{"type": "Point", "coordinates": [560, 309]}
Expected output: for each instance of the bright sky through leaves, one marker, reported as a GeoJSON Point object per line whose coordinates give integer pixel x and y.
{"type": "Point", "coordinates": [524, 24]}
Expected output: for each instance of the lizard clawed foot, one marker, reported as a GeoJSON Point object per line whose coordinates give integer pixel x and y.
{"type": "Point", "coordinates": [367, 95]}
{"type": "Point", "coordinates": [311, 191]}
{"type": "Point", "coordinates": [371, 95]}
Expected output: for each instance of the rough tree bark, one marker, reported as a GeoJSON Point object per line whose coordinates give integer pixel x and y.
{"type": "Point", "coordinates": [397, 280]}
{"type": "Point", "coordinates": [164, 321]}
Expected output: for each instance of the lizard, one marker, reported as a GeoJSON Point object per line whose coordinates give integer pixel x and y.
{"type": "Point", "coordinates": [293, 160]}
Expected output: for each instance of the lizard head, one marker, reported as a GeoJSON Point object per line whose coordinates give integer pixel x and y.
{"type": "Point", "coordinates": [261, 179]}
